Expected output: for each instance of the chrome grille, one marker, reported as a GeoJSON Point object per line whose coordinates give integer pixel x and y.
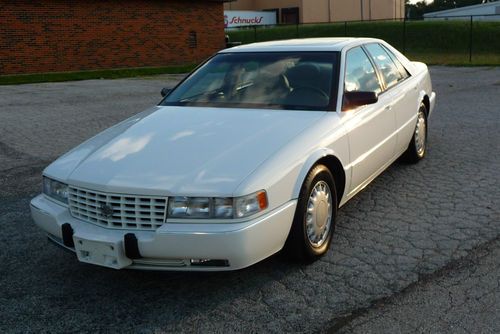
{"type": "Point", "coordinates": [117, 210]}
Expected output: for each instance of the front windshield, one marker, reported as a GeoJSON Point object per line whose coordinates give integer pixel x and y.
{"type": "Point", "coordinates": [282, 80]}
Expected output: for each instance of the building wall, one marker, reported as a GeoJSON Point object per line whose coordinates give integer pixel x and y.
{"type": "Point", "coordinates": [240, 5]}
{"type": "Point", "coordinates": [261, 4]}
{"type": "Point", "coordinates": [277, 3]}
{"type": "Point", "coordinates": [383, 9]}
{"type": "Point", "coordinates": [314, 11]}
{"type": "Point", "coordinates": [72, 35]}
{"type": "Point", "coordinates": [340, 10]}
{"type": "Point", "coordinates": [346, 10]}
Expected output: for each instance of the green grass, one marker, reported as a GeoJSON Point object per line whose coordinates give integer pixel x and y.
{"type": "Point", "coordinates": [455, 59]}
{"type": "Point", "coordinates": [435, 42]}
{"type": "Point", "coordinates": [86, 75]}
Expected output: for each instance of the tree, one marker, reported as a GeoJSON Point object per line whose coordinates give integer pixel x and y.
{"type": "Point", "coordinates": [449, 4]}
{"type": "Point", "coordinates": [416, 11]}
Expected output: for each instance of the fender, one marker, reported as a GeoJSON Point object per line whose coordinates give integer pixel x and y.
{"type": "Point", "coordinates": [311, 161]}
{"type": "Point", "coordinates": [431, 99]}
{"type": "Point", "coordinates": [421, 96]}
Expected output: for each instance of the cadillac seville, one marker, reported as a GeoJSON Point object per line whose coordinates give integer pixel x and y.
{"type": "Point", "coordinates": [252, 153]}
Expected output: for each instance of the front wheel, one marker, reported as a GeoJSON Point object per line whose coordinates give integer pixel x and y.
{"type": "Point", "coordinates": [418, 144]}
{"type": "Point", "coordinates": [314, 221]}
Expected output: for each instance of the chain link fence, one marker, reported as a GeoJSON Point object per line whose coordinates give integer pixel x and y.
{"type": "Point", "coordinates": [454, 40]}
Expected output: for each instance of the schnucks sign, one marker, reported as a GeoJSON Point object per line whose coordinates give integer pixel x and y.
{"type": "Point", "coordinates": [239, 18]}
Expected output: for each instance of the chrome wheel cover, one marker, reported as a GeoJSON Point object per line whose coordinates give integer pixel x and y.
{"type": "Point", "coordinates": [318, 218]}
{"type": "Point", "coordinates": [420, 136]}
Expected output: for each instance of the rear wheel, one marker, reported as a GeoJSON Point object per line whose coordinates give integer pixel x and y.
{"type": "Point", "coordinates": [314, 221]}
{"type": "Point", "coordinates": [418, 144]}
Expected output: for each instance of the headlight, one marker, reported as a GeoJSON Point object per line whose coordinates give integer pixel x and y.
{"type": "Point", "coordinates": [189, 207]}
{"type": "Point", "coordinates": [218, 207]}
{"type": "Point", "coordinates": [248, 205]}
{"type": "Point", "coordinates": [55, 189]}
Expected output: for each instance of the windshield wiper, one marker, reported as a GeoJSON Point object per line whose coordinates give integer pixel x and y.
{"type": "Point", "coordinates": [189, 98]}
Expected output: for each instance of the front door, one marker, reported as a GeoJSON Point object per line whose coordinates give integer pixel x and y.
{"type": "Point", "coordinates": [371, 128]}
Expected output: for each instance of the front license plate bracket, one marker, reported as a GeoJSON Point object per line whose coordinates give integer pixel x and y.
{"type": "Point", "coordinates": [104, 253]}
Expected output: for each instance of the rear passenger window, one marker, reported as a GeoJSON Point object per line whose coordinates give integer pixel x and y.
{"type": "Point", "coordinates": [401, 68]}
{"type": "Point", "coordinates": [360, 74]}
{"type": "Point", "coordinates": [385, 64]}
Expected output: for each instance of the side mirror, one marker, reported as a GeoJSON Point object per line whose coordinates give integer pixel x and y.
{"type": "Point", "coordinates": [165, 91]}
{"type": "Point", "coordinates": [357, 99]}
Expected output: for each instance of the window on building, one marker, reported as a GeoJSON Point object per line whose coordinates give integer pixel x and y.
{"type": "Point", "coordinates": [192, 39]}
{"type": "Point", "coordinates": [276, 11]}
{"type": "Point", "coordinates": [290, 15]}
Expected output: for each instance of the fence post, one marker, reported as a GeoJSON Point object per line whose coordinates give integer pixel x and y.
{"type": "Point", "coordinates": [345, 28]}
{"type": "Point", "coordinates": [470, 39]}
{"type": "Point", "coordinates": [404, 35]}
{"type": "Point", "coordinates": [297, 30]}
{"type": "Point", "coordinates": [255, 33]}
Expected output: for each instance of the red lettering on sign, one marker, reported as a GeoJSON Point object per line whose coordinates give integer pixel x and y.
{"type": "Point", "coordinates": [242, 20]}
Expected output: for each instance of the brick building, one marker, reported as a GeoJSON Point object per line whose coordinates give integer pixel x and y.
{"type": "Point", "coordinates": [72, 35]}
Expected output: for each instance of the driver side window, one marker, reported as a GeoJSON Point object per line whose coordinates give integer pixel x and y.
{"type": "Point", "coordinates": [360, 74]}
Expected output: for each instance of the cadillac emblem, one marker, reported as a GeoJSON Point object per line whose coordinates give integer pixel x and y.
{"type": "Point", "coordinates": [106, 210]}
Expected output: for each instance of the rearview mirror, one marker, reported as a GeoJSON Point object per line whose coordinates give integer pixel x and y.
{"type": "Point", "coordinates": [165, 91]}
{"type": "Point", "coordinates": [357, 99]}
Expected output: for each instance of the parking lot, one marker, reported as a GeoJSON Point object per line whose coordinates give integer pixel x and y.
{"type": "Point", "coordinates": [413, 226]}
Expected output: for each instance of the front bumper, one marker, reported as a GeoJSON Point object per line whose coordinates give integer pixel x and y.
{"type": "Point", "coordinates": [174, 246]}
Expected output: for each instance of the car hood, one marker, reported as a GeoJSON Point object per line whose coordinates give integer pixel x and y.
{"type": "Point", "coordinates": [187, 151]}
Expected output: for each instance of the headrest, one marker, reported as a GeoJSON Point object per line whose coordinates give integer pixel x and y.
{"type": "Point", "coordinates": [303, 74]}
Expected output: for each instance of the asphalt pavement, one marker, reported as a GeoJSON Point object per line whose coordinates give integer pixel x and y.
{"type": "Point", "coordinates": [463, 297]}
{"type": "Point", "coordinates": [416, 251]}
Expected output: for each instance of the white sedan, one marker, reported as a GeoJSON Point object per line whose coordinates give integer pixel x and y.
{"type": "Point", "coordinates": [253, 152]}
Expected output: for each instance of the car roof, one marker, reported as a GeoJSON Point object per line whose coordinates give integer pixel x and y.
{"type": "Point", "coordinates": [304, 44]}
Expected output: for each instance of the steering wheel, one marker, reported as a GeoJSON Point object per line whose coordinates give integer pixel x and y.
{"type": "Point", "coordinates": [313, 90]}
{"type": "Point", "coordinates": [311, 95]}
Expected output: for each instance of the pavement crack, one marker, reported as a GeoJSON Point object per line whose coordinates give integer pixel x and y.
{"type": "Point", "coordinates": [10, 152]}
{"type": "Point", "coordinates": [474, 254]}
